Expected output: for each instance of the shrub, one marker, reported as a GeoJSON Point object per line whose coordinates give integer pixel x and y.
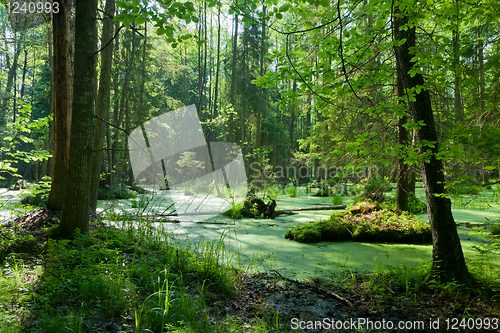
{"type": "Point", "coordinates": [120, 192]}
{"type": "Point", "coordinates": [273, 192]}
{"type": "Point", "coordinates": [378, 185]}
{"type": "Point", "coordinates": [415, 205]}
{"type": "Point", "coordinates": [291, 191]}
{"type": "Point", "coordinates": [337, 199]}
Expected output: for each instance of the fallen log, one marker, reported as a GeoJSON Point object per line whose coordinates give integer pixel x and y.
{"type": "Point", "coordinates": [325, 207]}
{"type": "Point", "coordinates": [292, 211]}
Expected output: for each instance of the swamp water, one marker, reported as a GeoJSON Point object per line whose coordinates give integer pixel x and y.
{"type": "Point", "coordinates": [260, 243]}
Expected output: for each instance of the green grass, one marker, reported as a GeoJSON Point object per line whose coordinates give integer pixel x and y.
{"type": "Point", "coordinates": [135, 279]}
{"type": "Point", "coordinates": [366, 222]}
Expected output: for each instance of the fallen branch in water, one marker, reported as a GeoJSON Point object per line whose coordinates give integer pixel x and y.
{"type": "Point", "coordinates": [292, 211]}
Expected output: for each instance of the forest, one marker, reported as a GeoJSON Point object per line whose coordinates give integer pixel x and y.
{"type": "Point", "coordinates": [249, 165]}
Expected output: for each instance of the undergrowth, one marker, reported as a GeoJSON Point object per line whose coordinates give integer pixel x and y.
{"type": "Point", "coordinates": [133, 279]}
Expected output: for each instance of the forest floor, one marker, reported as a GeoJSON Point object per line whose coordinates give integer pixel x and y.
{"type": "Point", "coordinates": [261, 302]}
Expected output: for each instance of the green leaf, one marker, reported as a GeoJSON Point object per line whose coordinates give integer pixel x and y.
{"type": "Point", "coordinates": [122, 4]}
{"type": "Point", "coordinates": [136, 2]}
{"type": "Point", "coordinates": [160, 31]}
{"type": "Point", "coordinates": [126, 21]}
{"type": "Point", "coordinates": [119, 17]}
{"type": "Point", "coordinates": [494, 62]}
{"type": "Point", "coordinates": [186, 36]}
{"type": "Point", "coordinates": [285, 7]}
{"type": "Point", "coordinates": [140, 20]}
{"type": "Point", "coordinates": [278, 16]}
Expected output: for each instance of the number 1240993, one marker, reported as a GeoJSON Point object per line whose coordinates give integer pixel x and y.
{"type": "Point", "coordinates": [38, 7]}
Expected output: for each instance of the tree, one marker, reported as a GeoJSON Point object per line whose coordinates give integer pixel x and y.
{"type": "Point", "coordinates": [75, 213]}
{"type": "Point", "coordinates": [403, 181]}
{"type": "Point", "coordinates": [448, 261]}
{"type": "Point", "coordinates": [62, 95]}
{"type": "Point", "coordinates": [103, 102]}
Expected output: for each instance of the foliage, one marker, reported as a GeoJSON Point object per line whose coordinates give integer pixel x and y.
{"type": "Point", "coordinates": [134, 11]}
{"type": "Point", "coordinates": [252, 207]}
{"type": "Point", "coordinates": [377, 184]}
{"type": "Point", "coordinates": [12, 241]}
{"type": "Point", "coordinates": [235, 212]}
{"type": "Point", "coordinates": [291, 191]}
{"type": "Point", "coordinates": [120, 192]}
{"type": "Point", "coordinates": [337, 199]}
{"type": "Point", "coordinates": [18, 134]}
{"type": "Point", "coordinates": [110, 273]}
{"type": "Point", "coordinates": [364, 221]}
{"type": "Point", "coordinates": [37, 194]}
{"type": "Point", "coordinates": [415, 205]}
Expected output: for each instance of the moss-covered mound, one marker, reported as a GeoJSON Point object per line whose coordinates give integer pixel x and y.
{"type": "Point", "coordinates": [365, 222]}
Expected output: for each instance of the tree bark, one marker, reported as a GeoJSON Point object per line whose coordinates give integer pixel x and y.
{"type": "Point", "coordinates": [448, 261]}
{"type": "Point", "coordinates": [25, 67]}
{"type": "Point", "coordinates": [216, 90]}
{"type": "Point", "coordinates": [260, 105]}
{"type": "Point", "coordinates": [119, 115]}
{"type": "Point", "coordinates": [75, 213]}
{"type": "Point", "coordinates": [116, 108]}
{"type": "Point", "coordinates": [62, 97]}
{"type": "Point", "coordinates": [103, 103]}
{"type": "Point", "coordinates": [402, 185]}
{"type": "Point", "coordinates": [232, 97]}
{"type": "Point", "coordinates": [11, 78]}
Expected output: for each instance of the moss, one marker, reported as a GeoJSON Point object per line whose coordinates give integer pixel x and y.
{"type": "Point", "coordinates": [304, 234]}
{"type": "Point", "coordinates": [336, 232]}
{"type": "Point", "coordinates": [364, 222]}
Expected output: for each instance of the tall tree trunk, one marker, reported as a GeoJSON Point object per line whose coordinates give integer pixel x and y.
{"type": "Point", "coordinates": [116, 109]}
{"type": "Point", "coordinates": [140, 114]}
{"type": "Point", "coordinates": [480, 61]}
{"type": "Point", "coordinates": [123, 103]}
{"type": "Point", "coordinates": [75, 213]}
{"type": "Point", "coordinates": [260, 105]}
{"type": "Point", "coordinates": [202, 71]}
{"type": "Point", "coordinates": [216, 90]}
{"type": "Point", "coordinates": [291, 122]}
{"type": "Point", "coordinates": [25, 67]}
{"type": "Point", "coordinates": [402, 185]}
{"type": "Point", "coordinates": [232, 97]}
{"type": "Point", "coordinates": [457, 95]}
{"type": "Point", "coordinates": [11, 78]}
{"type": "Point", "coordinates": [62, 98]}
{"type": "Point", "coordinates": [50, 140]}
{"type": "Point", "coordinates": [103, 103]}
{"type": "Point", "coordinates": [448, 261]}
